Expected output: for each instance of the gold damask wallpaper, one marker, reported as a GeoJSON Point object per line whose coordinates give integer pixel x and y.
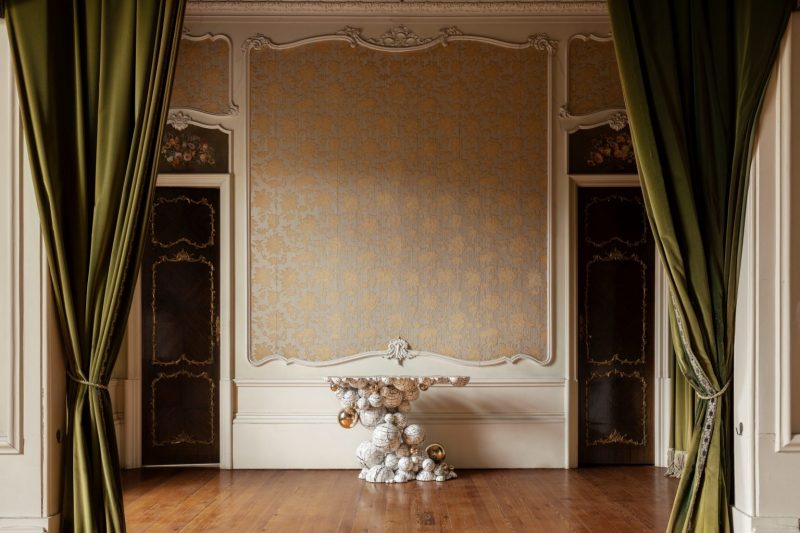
{"type": "Point", "coordinates": [398, 194]}
{"type": "Point", "coordinates": [202, 76]}
{"type": "Point", "coordinates": [593, 77]}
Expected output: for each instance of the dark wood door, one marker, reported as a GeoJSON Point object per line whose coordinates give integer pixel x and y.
{"type": "Point", "coordinates": [180, 328]}
{"type": "Point", "coordinates": [616, 262]}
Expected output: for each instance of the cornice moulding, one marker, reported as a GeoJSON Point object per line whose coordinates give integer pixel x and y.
{"type": "Point", "coordinates": [251, 8]}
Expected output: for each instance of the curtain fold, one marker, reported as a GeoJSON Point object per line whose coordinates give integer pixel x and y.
{"type": "Point", "coordinates": [94, 79]}
{"type": "Point", "coordinates": [683, 421]}
{"type": "Point", "coordinates": [694, 75]}
{"type": "Point", "coordinates": [685, 409]}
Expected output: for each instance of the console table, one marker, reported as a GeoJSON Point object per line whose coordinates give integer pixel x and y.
{"type": "Point", "coordinates": [394, 454]}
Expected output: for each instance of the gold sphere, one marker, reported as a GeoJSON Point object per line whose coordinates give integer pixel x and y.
{"type": "Point", "coordinates": [348, 418]}
{"type": "Point", "coordinates": [423, 386]}
{"type": "Point", "coordinates": [334, 387]}
{"type": "Point", "coordinates": [436, 452]}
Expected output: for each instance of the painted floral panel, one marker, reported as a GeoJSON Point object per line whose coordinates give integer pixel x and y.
{"type": "Point", "coordinates": [398, 195]}
{"type": "Point", "coordinates": [202, 76]}
{"type": "Point", "coordinates": [594, 83]}
{"type": "Point", "coordinates": [601, 150]}
{"type": "Point", "coordinates": [193, 150]}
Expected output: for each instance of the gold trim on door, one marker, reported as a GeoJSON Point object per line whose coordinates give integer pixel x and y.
{"type": "Point", "coordinates": [183, 240]}
{"type": "Point", "coordinates": [182, 438]}
{"type": "Point", "coordinates": [615, 437]}
{"type": "Point", "coordinates": [213, 324]}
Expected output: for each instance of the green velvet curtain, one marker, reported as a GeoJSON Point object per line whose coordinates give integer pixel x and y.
{"type": "Point", "coordinates": [683, 421]}
{"type": "Point", "coordinates": [683, 411]}
{"type": "Point", "coordinates": [94, 79]}
{"type": "Point", "coordinates": [694, 73]}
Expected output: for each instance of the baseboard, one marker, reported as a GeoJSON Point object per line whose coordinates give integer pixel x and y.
{"type": "Point", "coordinates": [47, 524]}
{"type": "Point", "coordinates": [468, 445]}
{"type": "Point", "coordinates": [744, 523]}
{"type": "Point", "coordinates": [776, 524]}
{"type": "Point", "coordinates": [491, 423]}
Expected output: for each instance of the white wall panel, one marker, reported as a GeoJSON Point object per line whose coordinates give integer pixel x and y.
{"type": "Point", "coordinates": [766, 455]}
{"type": "Point", "coordinates": [10, 364]}
{"type": "Point", "coordinates": [490, 423]}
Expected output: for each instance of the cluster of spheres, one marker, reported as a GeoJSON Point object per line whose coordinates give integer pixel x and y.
{"type": "Point", "coordinates": [394, 454]}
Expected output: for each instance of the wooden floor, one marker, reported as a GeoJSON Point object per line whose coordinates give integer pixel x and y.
{"type": "Point", "coordinates": [590, 499]}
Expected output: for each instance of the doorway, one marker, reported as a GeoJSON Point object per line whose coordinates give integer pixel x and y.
{"type": "Point", "coordinates": [616, 295]}
{"type": "Point", "coordinates": [180, 312]}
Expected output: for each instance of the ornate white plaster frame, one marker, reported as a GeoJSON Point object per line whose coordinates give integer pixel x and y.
{"type": "Point", "coordinates": [233, 108]}
{"type": "Point", "coordinates": [133, 383]}
{"type": "Point", "coordinates": [400, 38]}
{"type": "Point", "coordinates": [617, 118]}
{"type": "Point", "coordinates": [787, 435]}
{"type": "Point", "coordinates": [11, 268]}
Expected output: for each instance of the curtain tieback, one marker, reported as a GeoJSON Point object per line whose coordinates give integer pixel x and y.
{"type": "Point", "coordinates": [87, 383]}
{"type": "Point", "coordinates": [716, 394]}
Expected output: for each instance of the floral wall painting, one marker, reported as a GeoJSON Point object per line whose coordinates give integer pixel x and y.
{"type": "Point", "coordinates": [193, 150]}
{"type": "Point", "coordinates": [601, 150]}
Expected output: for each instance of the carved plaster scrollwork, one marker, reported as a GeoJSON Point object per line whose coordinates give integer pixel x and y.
{"type": "Point", "coordinates": [178, 120]}
{"type": "Point", "coordinates": [402, 39]}
{"type": "Point", "coordinates": [396, 37]}
{"type": "Point", "coordinates": [542, 41]}
{"type": "Point", "coordinates": [257, 42]}
{"type": "Point", "coordinates": [398, 350]}
{"type": "Point", "coordinates": [618, 120]}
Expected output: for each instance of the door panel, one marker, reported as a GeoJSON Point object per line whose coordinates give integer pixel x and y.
{"type": "Point", "coordinates": [616, 262]}
{"type": "Point", "coordinates": [180, 327]}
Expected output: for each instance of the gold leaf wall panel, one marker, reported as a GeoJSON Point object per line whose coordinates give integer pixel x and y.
{"type": "Point", "coordinates": [202, 76]}
{"type": "Point", "coordinates": [398, 195]}
{"type": "Point", "coordinates": [593, 77]}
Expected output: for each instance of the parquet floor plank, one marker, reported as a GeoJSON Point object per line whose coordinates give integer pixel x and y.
{"type": "Point", "coordinates": [614, 499]}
